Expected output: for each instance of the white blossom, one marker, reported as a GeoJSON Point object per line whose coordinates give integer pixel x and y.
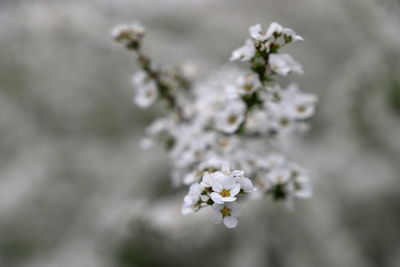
{"type": "Point", "coordinates": [301, 105]}
{"type": "Point", "coordinates": [284, 64]}
{"type": "Point", "coordinates": [248, 83]}
{"type": "Point", "coordinates": [128, 33]}
{"type": "Point", "coordinates": [225, 188]}
{"type": "Point", "coordinates": [270, 162]}
{"type": "Point", "coordinates": [192, 198]}
{"type": "Point", "coordinates": [273, 28]}
{"type": "Point", "coordinates": [236, 118]}
{"type": "Point", "coordinates": [244, 53]}
{"type": "Point", "coordinates": [273, 32]}
{"type": "Point", "coordinates": [257, 121]}
{"type": "Point", "coordinates": [277, 29]}
{"type": "Point", "coordinates": [256, 33]}
{"type": "Point", "coordinates": [145, 90]}
{"type": "Point", "coordinates": [245, 183]}
{"type": "Point", "coordinates": [226, 213]}
{"type": "Point", "coordinates": [211, 164]}
{"type": "Point", "coordinates": [279, 176]}
{"type": "Point", "coordinates": [302, 187]}
{"type": "Point", "coordinates": [229, 120]}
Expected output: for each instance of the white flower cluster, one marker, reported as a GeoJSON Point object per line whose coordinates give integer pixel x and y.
{"type": "Point", "coordinates": [220, 189]}
{"type": "Point", "coordinates": [234, 120]}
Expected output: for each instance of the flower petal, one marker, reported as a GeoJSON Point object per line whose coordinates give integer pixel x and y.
{"type": "Point", "coordinates": [235, 209]}
{"type": "Point", "coordinates": [217, 198]}
{"type": "Point", "coordinates": [235, 190]}
{"type": "Point", "coordinates": [230, 222]}
{"type": "Point", "coordinates": [228, 199]}
{"type": "Point", "coordinates": [255, 31]}
{"type": "Point", "coordinates": [187, 209]}
{"type": "Point", "coordinates": [215, 216]}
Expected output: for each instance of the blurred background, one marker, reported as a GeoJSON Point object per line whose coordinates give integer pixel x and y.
{"type": "Point", "coordinates": [76, 189]}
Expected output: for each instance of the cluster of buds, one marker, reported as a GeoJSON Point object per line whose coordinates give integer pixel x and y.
{"type": "Point", "coordinates": [129, 35]}
{"type": "Point", "coordinates": [231, 120]}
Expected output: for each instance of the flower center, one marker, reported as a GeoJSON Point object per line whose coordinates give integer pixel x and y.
{"type": "Point", "coordinates": [301, 109]}
{"type": "Point", "coordinates": [149, 94]}
{"type": "Point", "coordinates": [225, 211]}
{"type": "Point", "coordinates": [279, 179]}
{"type": "Point", "coordinates": [125, 35]}
{"type": "Point", "coordinates": [284, 121]}
{"type": "Point", "coordinates": [224, 142]}
{"type": "Point", "coordinates": [275, 68]}
{"type": "Point", "coordinates": [248, 87]}
{"type": "Point", "coordinates": [232, 119]}
{"type": "Point", "coordinates": [225, 193]}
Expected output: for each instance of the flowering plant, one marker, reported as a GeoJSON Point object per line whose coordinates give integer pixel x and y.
{"type": "Point", "coordinates": [217, 130]}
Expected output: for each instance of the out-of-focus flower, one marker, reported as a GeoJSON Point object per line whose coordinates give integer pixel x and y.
{"type": "Point", "coordinates": [128, 34]}
{"type": "Point", "coordinates": [229, 120]}
{"type": "Point", "coordinates": [244, 53]}
{"type": "Point", "coordinates": [276, 30]}
{"type": "Point", "coordinates": [146, 92]}
{"type": "Point", "coordinates": [256, 33]}
{"type": "Point", "coordinates": [301, 105]}
{"type": "Point", "coordinates": [190, 202]}
{"type": "Point", "coordinates": [248, 83]}
{"type": "Point", "coordinates": [245, 183]}
{"type": "Point", "coordinates": [284, 64]}
{"type": "Point", "coordinates": [278, 176]}
{"type": "Point", "coordinates": [301, 181]}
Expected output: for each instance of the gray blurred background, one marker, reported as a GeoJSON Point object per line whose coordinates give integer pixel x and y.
{"type": "Point", "coordinates": [76, 189]}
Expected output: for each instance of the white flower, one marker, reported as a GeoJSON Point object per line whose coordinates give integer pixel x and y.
{"type": "Point", "coordinates": [248, 83]}
{"type": "Point", "coordinates": [276, 29]}
{"type": "Point", "coordinates": [223, 184]}
{"type": "Point", "coordinates": [211, 163]}
{"type": "Point", "coordinates": [225, 188]}
{"type": "Point", "coordinates": [284, 64]}
{"type": "Point", "coordinates": [128, 33]}
{"type": "Point", "coordinates": [159, 127]}
{"type": "Point", "coordinates": [145, 90]}
{"type": "Point", "coordinates": [271, 162]}
{"type": "Point", "coordinates": [208, 179]}
{"type": "Point", "coordinates": [302, 187]}
{"type": "Point", "coordinates": [279, 176]}
{"type": "Point", "coordinates": [257, 121]}
{"type": "Point", "coordinates": [146, 143]}
{"type": "Point", "coordinates": [273, 28]}
{"type": "Point", "coordinates": [245, 183]}
{"type": "Point", "coordinates": [226, 213]}
{"type": "Point", "coordinates": [290, 33]}
{"type": "Point", "coordinates": [280, 118]}
{"type": "Point", "coordinates": [256, 33]}
{"type": "Point", "coordinates": [244, 53]}
{"type": "Point", "coordinates": [229, 120]}
{"type": "Point", "coordinates": [300, 105]}
{"type": "Point", "coordinates": [191, 200]}
{"type": "Point", "coordinates": [227, 144]}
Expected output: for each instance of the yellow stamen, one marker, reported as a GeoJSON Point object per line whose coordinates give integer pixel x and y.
{"type": "Point", "coordinates": [301, 109]}
{"type": "Point", "coordinates": [149, 94]}
{"type": "Point", "coordinates": [225, 211]}
{"type": "Point", "coordinates": [232, 119]}
{"type": "Point", "coordinates": [284, 121]}
{"type": "Point", "coordinates": [248, 87]}
{"type": "Point", "coordinates": [225, 193]}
